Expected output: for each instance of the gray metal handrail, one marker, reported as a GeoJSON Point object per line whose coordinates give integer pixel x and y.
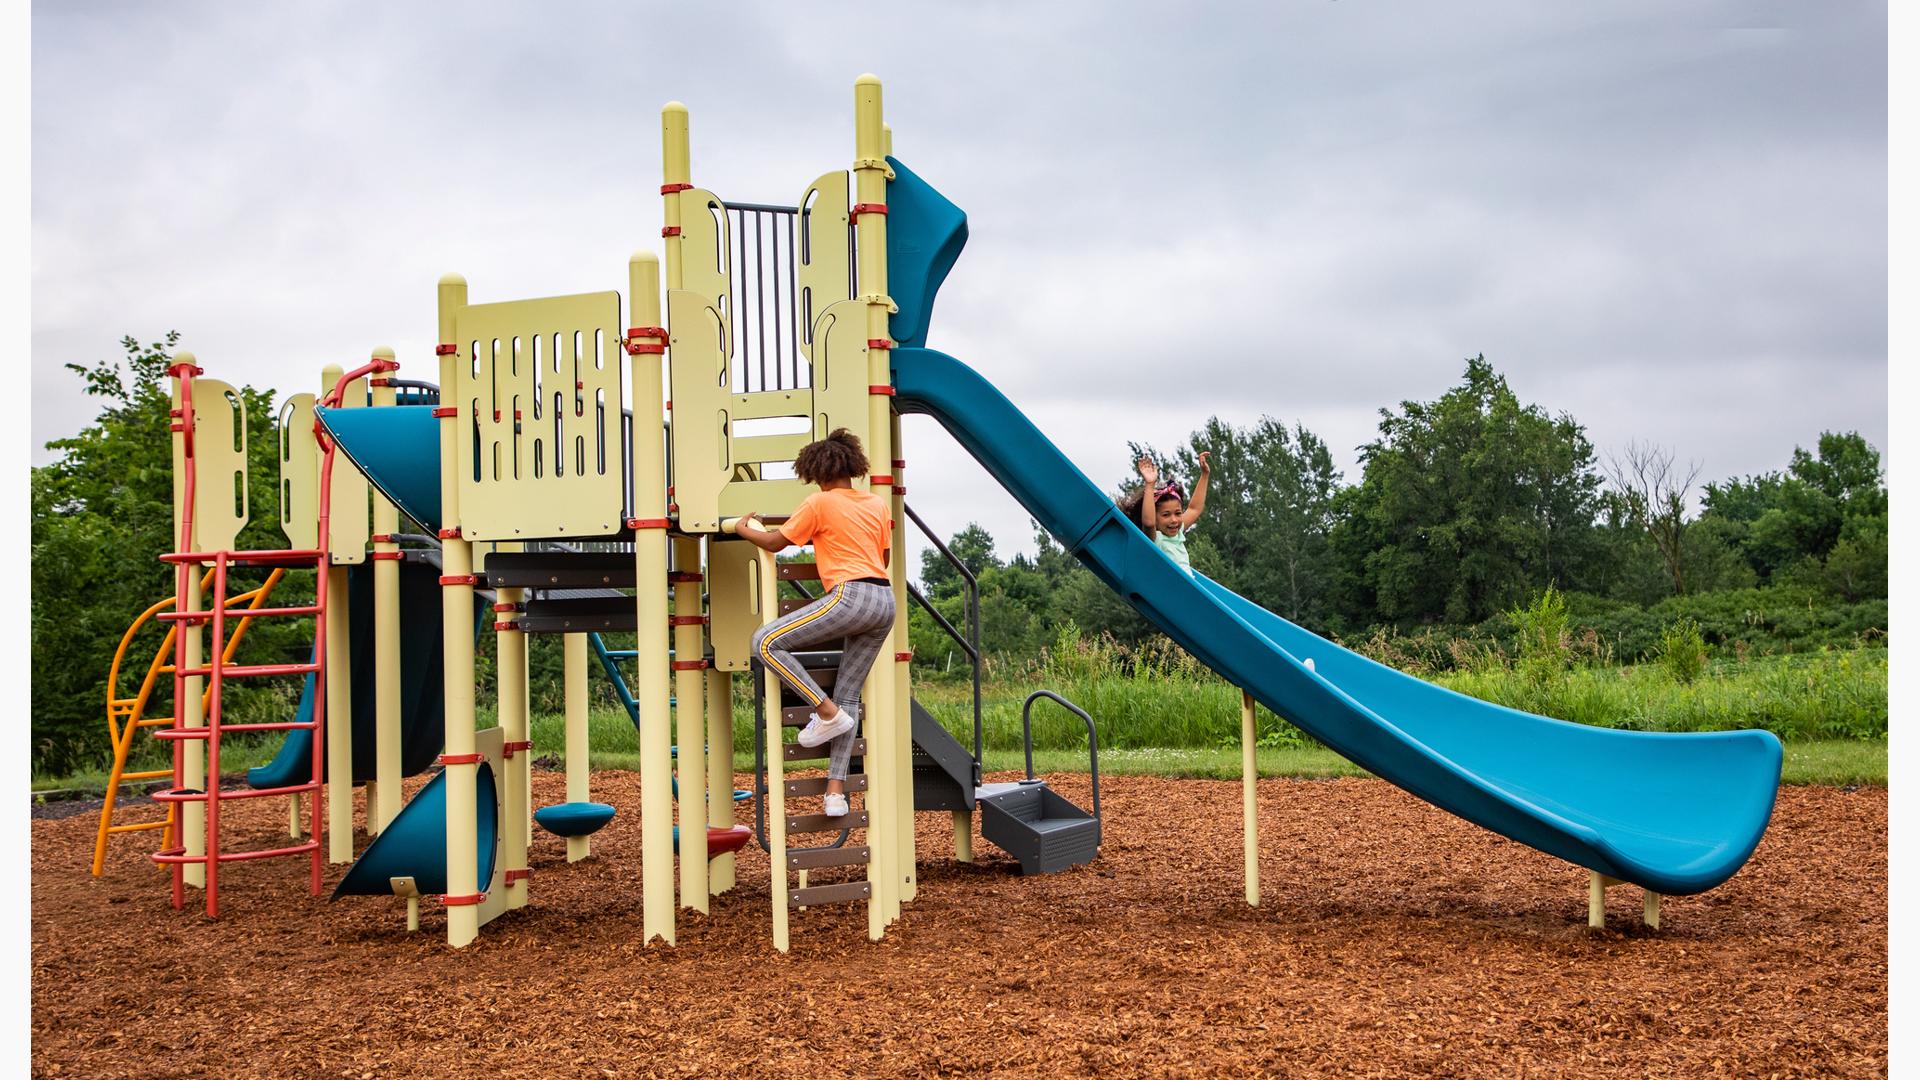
{"type": "Point", "coordinates": [1093, 739]}
{"type": "Point", "coordinates": [972, 647]}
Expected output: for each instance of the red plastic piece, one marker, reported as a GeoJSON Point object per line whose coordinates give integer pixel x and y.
{"type": "Point", "coordinates": [381, 538]}
{"type": "Point", "coordinates": [461, 759]}
{"type": "Point", "coordinates": [506, 607]}
{"type": "Point", "coordinates": [510, 876]}
{"type": "Point", "coordinates": [689, 665]}
{"type": "Point", "coordinates": [637, 348]}
{"type": "Point", "coordinates": [721, 840]}
{"type": "Point", "coordinates": [649, 523]}
{"type": "Point", "coordinates": [866, 208]}
{"type": "Point", "coordinates": [506, 626]}
{"type": "Point", "coordinates": [507, 750]}
{"type": "Point", "coordinates": [899, 463]}
{"type": "Point", "coordinates": [388, 556]}
{"type": "Point", "coordinates": [469, 900]}
{"type": "Point", "coordinates": [882, 479]}
{"type": "Point", "coordinates": [907, 655]}
{"type": "Point", "coordinates": [446, 348]}
{"type": "Point", "coordinates": [450, 534]}
{"type": "Point", "coordinates": [686, 620]}
{"type": "Point", "coordinates": [179, 371]}
{"type": "Point", "coordinates": [685, 577]}
{"type": "Point", "coordinates": [882, 391]}
{"type": "Point", "coordinates": [669, 189]}
{"type": "Point", "coordinates": [446, 410]}
{"type": "Point", "coordinates": [460, 579]}
{"type": "Point", "coordinates": [670, 230]}
{"type": "Point", "coordinates": [879, 343]}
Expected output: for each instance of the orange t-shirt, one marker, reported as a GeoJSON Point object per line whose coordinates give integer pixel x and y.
{"type": "Point", "coordinates": [850, 530]}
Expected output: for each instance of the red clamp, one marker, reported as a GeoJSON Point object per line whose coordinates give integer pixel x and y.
{"type": "Point", "coordinates": [469, 900]}
{"type": "Point", "coordinates": [670, 230]}
{"type": "Point", "coordinates": [899, 463]}
{"type": "Point", "coordinates": [506, 626]}
{"type": "Point", "coordinates": [879, 479]}
{"type": "Point", "coordinates": [866, 208]}
{"type": "Point", "coordinates": [649, 523]}
{"type": "Point", "coordinates": [903, 656]}
{"type": "Point", "coordinates": [686, 620]}
{"type": "Point", "coordinates": [506, 607]}
{"type": "Point", "coordinates": [447, 410]}
{"type": "Point", "coordinates": [686, 577]}
{"type": "Point", "coordinates": [179, 426]}
{"type": "Point", "coordinates": [450, 534]}
{"type": "Point", "coordinates": [446, 348]}
{"type": "Point", "coordinates": [879, 343]}
{"type": "Point", "coordinates": [669, 404]}
{"type": "Point", "coordinates": [381, 538]}
{"type": "Point", "coordinates": [881, 391]}
{"type": "Point", "coordinates": [181, 371]}
{"type": "Point", "coordinates": [507, 750]}
{"type": "Point", "coordinates": [900, 490]}
{"type": "Point", "coordinates": [669, 189]}
{"type": "Point", "coordinates": [387, 556]}
{"type": "Point", "coordinates": [510, 876]}
{"type": "Point", "coordinates": [689, 665]}
{"type": "Point", "coordinates": [460, 579]}
{"type": "Point", "coordinates": [461, 759]}
{"type": "Point", "coordinates": [379, 382]}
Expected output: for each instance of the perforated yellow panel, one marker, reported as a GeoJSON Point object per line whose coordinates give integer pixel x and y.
{"type": "Point", "coordinates": [299, 474]}
{"type": "Point", "coordinates": [538, 389]}
{"type": "Point", "coordinates": [733, 602]}
{"type": "Point", "coordinates": [706, 256]}
{"type": "Point", "coordinates": [840, 376]}
{"type": "Point", "coordinates": [825, 269]}
{"type": "Point", "coordinates": [220, 464]}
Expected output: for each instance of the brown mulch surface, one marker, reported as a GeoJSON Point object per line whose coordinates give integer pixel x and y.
{"type": "Point", "coordinates": [1392, 940]}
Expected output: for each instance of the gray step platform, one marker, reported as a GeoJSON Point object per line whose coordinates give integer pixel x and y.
{"type": "Point", "coordinates": [1037, 826]}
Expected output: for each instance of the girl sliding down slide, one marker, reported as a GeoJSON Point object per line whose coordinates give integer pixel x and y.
{"type": "Point", "coordinates": [1162, 516]}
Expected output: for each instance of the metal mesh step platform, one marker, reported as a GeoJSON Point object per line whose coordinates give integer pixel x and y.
{"type": "Point", "coordinates": [1037, 826]}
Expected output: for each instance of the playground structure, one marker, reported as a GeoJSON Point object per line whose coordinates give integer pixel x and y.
{"type": "Point", "coordinates": [545, 494]}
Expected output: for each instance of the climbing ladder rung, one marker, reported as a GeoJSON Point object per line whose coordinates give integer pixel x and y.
{"type": "Point", "coordinates": [154, 721]}
{"type": "Point", "coordinates": [201, 732]}
{"type": "Point", "coordinates": [150, 774]}
{"type": "Point", "coordinates": [840, 856]}
{"type": "Point", "coordinates": [237, 671]}
{"type": "Point", "coordinates": [191, 795]}
{"type": "Point", "coordinates": [796, 752]}
{"type": "Point", "coordinates": [799, 571]}
{"type": "Point", "coordinates": [817, 785]}
{"type": "Point", "coordinates": [141, 827]}
{"type": "Point", "coordinates": [798, 823]}
{"type": "Point", "coordinates": [173, 856]}
{"type": "Point", "coordinates": [236, 613]}
{"type": "Point", "coordinates": [829, 894]}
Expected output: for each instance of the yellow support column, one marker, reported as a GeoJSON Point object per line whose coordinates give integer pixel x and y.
{"type": "Point", "coordinates": [578, 847]}
{"type": "Point", "coordinates": [690, 723]}
{"type": "Point", "coordinates": [769, 689]}
{"type": "Point", "coordinates": [882, 727]}
{"type": "Point", "coordinates": [650, 597]}
{"type": "Point", "coordinates": [510, 645]}
{"type": "Point", "coordinates": [456, 600]}
{"type": "Point", "coordinates": [903, 671]}
{"type": "Point", "coordinates": [385, 801]}
{"type": "Point", "coordinates": [193, 770]}
{"type": "Point", "coordinates": [1249, 811]}
{"type": "Point", "coordinates": [339, 675]}
{"type": "Point", "coordinates": [720, 870]}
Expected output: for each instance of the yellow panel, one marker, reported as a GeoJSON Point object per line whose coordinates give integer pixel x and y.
{"type": "Point", "coordinates": [299, 474]}
{"type": "Point", "coordinates": [774, 498]}
{"type": "Point", "coordinates": [840, 375]}
{"type": "Point", "coordinates": [757, 448]}
{"type": "Point", "coordinates": [733, 602]}
{"type": "Point", "coordinates": [769, 403]}
{"type": "Point", "coordinates": [706, 254]}
{"type": "Point", "coordinates": [538, 389]}
{"type": "Point", "coordinates": [350, 508]}
{"type": "Point", "coordinates": [220, 464]}
{"type": "Point", "coordinates": [824, 270]}
{"type": "Point", "coordinates": [700, 402]}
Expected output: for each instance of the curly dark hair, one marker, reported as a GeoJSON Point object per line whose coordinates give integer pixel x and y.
{"type": "Point", "coordinates": [1129, 505]}
{"type": "Point", "coordinates": [839, 456]}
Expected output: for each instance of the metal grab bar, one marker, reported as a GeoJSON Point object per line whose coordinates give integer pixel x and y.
{"type": "Point", "coordinates": [1093, 740]}
{"type": "Point", "coordinates": [973, 625]}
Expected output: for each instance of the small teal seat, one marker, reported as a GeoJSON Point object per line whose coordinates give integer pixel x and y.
{"type": "Point", "coordinates": [573, 818]}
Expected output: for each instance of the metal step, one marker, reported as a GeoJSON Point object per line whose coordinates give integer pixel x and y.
{"type": "Point", "coordinates": [799, 823]}
{"type": "Point", "coordinates": [817, 785]}
{"type": "Point", "coordinates": [793, 751]}
{"type": "Point", "coordinates": [574, 615]}
{"type": "Point", "coordinates": [560, 569]}
{"type": "Point", "coordinates": [829, 894]}
{"type": "Point", "coordinates": [1035, 825]}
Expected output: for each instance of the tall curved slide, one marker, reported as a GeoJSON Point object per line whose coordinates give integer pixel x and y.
{"type": "Point", "coordinates": [1674, 813]}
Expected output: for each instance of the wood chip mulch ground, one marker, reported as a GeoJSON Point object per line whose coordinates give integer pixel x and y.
{"type": "Point", "coordinates": [1392, 940]}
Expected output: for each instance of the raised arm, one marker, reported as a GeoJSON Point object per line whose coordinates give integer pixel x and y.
{"type": "Point", "coordinates": [1150, 475]}
{"type": "Point", "coordinates": [1198, 504]}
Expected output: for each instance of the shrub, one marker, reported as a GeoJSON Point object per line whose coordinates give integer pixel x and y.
{"type": "Point", "coordinates": [1682, 651]}
{"type": "Point", "coordinates": [1544, 645]}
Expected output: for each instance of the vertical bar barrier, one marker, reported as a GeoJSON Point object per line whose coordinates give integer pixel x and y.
{"type": "Point", "coordinates": [339, 674]}
{"type": "Point", "coordinates": [768, 687]}
{"type": "Point", "coordinates": [690, 724]}
{"type": "Point", "coordinates": [578, 847]}
{"type": "Point", "coordinates": [650, 561]}
{"type": "Point", "coordinates": [384, 805]}
{"type": "Point", "coordinates": [883, 728]}
{"type": "Point", "coordinates": [720, 870]}
{"type": "Point", "coordinates": [1249, 811]}
{"type": "Point", "coordinates": [456, 600]}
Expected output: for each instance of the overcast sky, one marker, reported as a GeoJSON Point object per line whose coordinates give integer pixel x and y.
{"type": "Point", "coordinates": [1667, 219]}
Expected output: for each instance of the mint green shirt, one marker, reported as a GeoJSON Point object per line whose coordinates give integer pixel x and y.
{"type": "Point", "coordinates": [1176, 548]}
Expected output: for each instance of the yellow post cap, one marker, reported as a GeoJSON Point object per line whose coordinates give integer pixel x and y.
{"type": "Point", "coordinates": [452, 279]}
{"type": "Point", "coordinates": [674, 107]}
{"type": "Point", "coordinates": [869, 79]}
{"type": "Point", "coordinates": [183, 357]}
{"type": "Point", "coordinates": [383, 352]}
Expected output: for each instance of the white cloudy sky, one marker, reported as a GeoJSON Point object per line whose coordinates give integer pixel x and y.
{"type": "Point", "coordinates": [1668, 219]}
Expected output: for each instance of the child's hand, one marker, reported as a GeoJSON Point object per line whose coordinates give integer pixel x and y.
{"type": "Point", "coordinates": [1148, 471]}
{"type": "Point", "coordinates": [1205, 468]}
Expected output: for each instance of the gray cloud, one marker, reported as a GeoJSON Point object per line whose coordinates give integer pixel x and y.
{"type": "Point", "coordinates": [1669, 221]}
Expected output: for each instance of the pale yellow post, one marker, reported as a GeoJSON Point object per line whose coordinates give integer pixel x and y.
{"type": "Point", "coordinates": [902, 668]}
{"type": "Point", "coordinates": [193, 763]}
{"type": "Point", "coordinates": [456, 600]}
{"type": "Point", "coordinates": [883, 730]}
{"type": "Point", "coordinates": [1249, 804]}
{"type": "Point", "coordinates": [510, 644]}
{"type": "Point", "coordinates": [777, 764]}
{"type": "Point", "coordinates": [339, 674]}
{"type": "Point", "coordinates": [720, 872]}
{"type": "Point", "coordinates": [690, 726]}
{"type": "Point", "coordinates": [1650, 910]}
{"type": "Point", "coordinates": [650, 599]}
{"type": "Point", "coordinates": [962, 836]}
{"type": "Point", "coordinates": [385, 801]}
{"type": "Point", "coordinates": [1596, 900]}
{"type": "Point", "coordinates": [578, 847]}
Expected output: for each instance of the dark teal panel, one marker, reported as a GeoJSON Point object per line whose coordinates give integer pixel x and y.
{"type": "Point", "coordinates": [398, 448]}
{"type": "Point", "coordinates": [1675, 813]}
{"type": "Point", "coordinates": [925, 233]}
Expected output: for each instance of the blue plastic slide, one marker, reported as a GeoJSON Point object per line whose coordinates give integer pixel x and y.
{"type": "Point", "coordinates": [1674, 813]}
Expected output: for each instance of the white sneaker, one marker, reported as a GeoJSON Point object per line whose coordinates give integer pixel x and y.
{"type": "Point", "coordinates": [820, 731]}
{"type": "Point", "coordinates": [836, 805]}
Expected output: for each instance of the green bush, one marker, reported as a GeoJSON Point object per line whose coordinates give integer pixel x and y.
{"type": "Point", "coordinates": [1682, 651]}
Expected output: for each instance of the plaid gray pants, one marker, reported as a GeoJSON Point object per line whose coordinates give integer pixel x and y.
{"type": "Point", "coordinates": [860, 612]}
